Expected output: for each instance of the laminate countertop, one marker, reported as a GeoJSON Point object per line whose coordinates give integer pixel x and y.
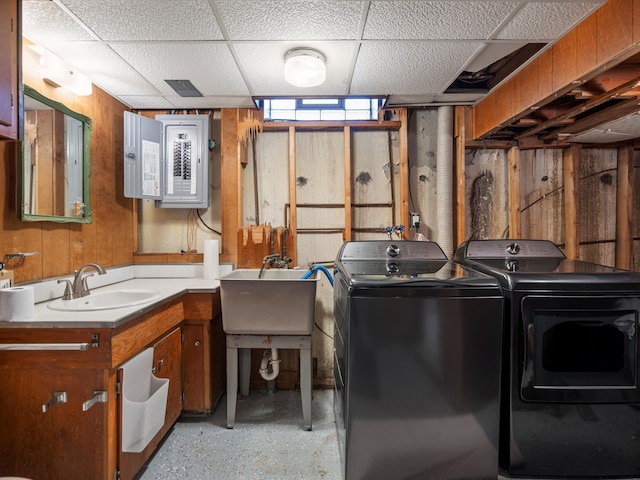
{"type": "Point", "coordinates": [167, 288]}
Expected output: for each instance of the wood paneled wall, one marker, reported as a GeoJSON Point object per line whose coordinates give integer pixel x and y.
{"type": "Point", "coordinates": [63, 247]}
{"type": "Point", "coordinates": [584, 199]}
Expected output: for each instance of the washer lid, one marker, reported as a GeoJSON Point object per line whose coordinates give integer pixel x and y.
{"type": "Point", "coordinates": [383, 250]}
{"type": "Point", "coordinates": [490, 249]}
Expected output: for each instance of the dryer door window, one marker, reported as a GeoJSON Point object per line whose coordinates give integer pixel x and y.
{"type": "Point", "coordinates": [578, 348]}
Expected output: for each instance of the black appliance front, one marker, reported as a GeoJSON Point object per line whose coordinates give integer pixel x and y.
{"type": "Point", "coordinates": [570, 394]}
{"type": "Point", "coordinates": [417, 361]}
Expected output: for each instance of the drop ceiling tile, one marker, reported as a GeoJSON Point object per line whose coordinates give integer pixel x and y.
{"type": "Point", "coordinates": [458, 97]}
{"type": "Point", "coordinates": [435, 20]}
{"type": "Point", "coordinates": [263, 64]}
{"type": "Point", "coordinates": [209, 66]}
{"type": "Point", "coordinates": [400, 100]}
{"type": "Point", "coordinates": [492, 52]}
{"type": "Point", "coordinates": [44, 22]}
{"type": "Point", "coordinates": [546, 20]}
{"type": "Point", "coordinates": [625, 128]}
{"type": "Point", "coordinates": [290, 20]}
{"type": "Point", "coordinates": [104, 67]}
{"type": "Point", "coordinates": [148, 19]}
{"type": "Point", "coordinates": [409, 67]}
{"type": "Point", "coordinates": [210, 102]}
{"type": "Point", "coordinates": [146, 102]}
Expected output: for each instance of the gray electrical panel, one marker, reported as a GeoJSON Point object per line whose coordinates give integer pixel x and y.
{"type": "Point", "coordinates": [167, 159]}
{"type": "Point", "coordinates": [142, 157]}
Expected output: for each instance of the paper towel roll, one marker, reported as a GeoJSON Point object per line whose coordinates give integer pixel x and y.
{"type": "Point", "coordinates": [17, 304]}
{"type": "Point", "coordinates": [211, 260]}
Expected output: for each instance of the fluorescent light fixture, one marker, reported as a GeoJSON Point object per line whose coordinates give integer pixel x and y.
{"type": "Point", "coordinates": [304, 67]}
{"type": "Point", "coordinates": [55, 72]}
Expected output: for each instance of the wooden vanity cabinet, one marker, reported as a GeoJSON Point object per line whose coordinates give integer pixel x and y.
{"type": "Point", "coordinates": [49, 431]}
{"type": "Point", "coordinates": [10, 71]}
{"type": "Point", "coordinates": [50, 427]}
{"type": "Point", "coordinates": [61, 410]}
{"type": "Point", "coordinates": [203, 359]}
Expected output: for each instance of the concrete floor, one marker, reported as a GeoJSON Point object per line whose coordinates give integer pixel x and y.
{"type": "Point", "coordinates": [267, 442]}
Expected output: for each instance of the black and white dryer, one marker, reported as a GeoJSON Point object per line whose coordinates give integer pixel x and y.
{"type": "Point", "coordinates": [570, 390]}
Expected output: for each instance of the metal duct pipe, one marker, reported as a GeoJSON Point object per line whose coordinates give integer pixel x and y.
{"type": "Point", "coordinates": [444, 180]}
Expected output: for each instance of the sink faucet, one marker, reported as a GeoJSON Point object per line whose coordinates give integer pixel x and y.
{"type": "Point", "coordinates": [273, 260]}
{"type": "Point", "coordinates": [270, 259]}
{"type": "Point", "coordinates": [80, 287]}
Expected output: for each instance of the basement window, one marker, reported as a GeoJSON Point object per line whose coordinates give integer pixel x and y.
{"type": "Point", "coordinates": [319, 109]}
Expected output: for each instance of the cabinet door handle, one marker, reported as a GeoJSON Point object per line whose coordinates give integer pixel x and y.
{"type": "Point", "coordinates": [99, 396]}
{"type": "Point", "coordinates": [56, 397]}
{"type": "Point", "coordinates": [197, 343]}
{"type": "Point", "coordinates": [51, 346]}
{"type": "Point", "coordinates": [160, 363]}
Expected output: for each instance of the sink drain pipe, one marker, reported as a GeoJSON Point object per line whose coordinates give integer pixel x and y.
{"type": "Point", "coordinates": [270, 358]}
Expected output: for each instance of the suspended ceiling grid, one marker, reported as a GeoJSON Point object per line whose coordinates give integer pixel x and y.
{"type": "Point", "coordinates": [232, 50]}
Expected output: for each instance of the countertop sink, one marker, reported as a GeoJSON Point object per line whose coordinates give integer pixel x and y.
{"type": "Point", "coordinates": [106, 300]}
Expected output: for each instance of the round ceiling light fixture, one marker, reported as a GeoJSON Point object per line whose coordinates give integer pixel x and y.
{"type": "Point", "coordinates": [304, 67]}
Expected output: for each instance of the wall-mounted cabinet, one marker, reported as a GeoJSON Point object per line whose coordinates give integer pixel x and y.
{"type": "Point", "coordinates": [167, 159]}
{"type": "Point", "coordinates": [10, 69]}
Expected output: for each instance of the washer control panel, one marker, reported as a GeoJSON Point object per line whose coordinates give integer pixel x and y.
{"type": "Point", "coordinates": [487, 249]}
{"type": "Point", "coordinates": [390, 249]}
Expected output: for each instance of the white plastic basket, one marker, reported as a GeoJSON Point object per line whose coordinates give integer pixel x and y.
{"type": "Point", "coordinates": [144, 402]}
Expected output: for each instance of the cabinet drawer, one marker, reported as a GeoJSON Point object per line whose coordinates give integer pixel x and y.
{"type": "Point", "coordinates": [198, 306]}
{"type": "Point", "coordinates": [147, 329]}
{"type": "Point", "coordinates": [55, 348]}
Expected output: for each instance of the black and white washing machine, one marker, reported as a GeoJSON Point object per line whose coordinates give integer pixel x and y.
{"type": "Point", "coordinates": [571, 394]}
{"type": "Point", "coordinates": [417, 361]}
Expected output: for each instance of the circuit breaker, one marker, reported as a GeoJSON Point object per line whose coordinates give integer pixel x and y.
{"type": "Point", "coordinates": [167, 159]}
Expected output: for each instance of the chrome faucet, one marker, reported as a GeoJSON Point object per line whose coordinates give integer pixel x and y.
{"type": "Point", "coordinates": [79, 287]}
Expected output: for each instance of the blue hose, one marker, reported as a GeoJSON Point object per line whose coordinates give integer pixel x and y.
{"type": "Point", "coordinates": [314, 269]}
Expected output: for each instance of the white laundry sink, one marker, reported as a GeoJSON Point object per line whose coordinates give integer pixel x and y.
{"type": "Point", "coordinates": [106, 300]}
{"type": "Point", "coordinates": [279, 303]}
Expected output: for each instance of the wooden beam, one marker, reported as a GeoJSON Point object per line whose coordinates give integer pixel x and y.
{"type": "Point", "coordinates": [231, 184]}
{"type": "Point", "coordinates": [293, 213]}
{"type": "Point", "coordinates": [597, 44]}
{"type": "Point", "coordinates": [460, 134]}
{"type": "Point", "coordinates": [347, 184]}
{"type": "Point", "coordinates": [571, 171]}
{"type": "Point", "coordinates": [404, 169]}
{"type": "Point", "coordinates": [301, 126]}
{"type": "Point", "coordinates": [624, 208]}
{"type": "Point", "coordinates": [515, 229]}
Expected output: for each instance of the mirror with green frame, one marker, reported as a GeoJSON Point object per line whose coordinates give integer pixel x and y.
{"type": "Point", "coordinates": [55, 162]}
